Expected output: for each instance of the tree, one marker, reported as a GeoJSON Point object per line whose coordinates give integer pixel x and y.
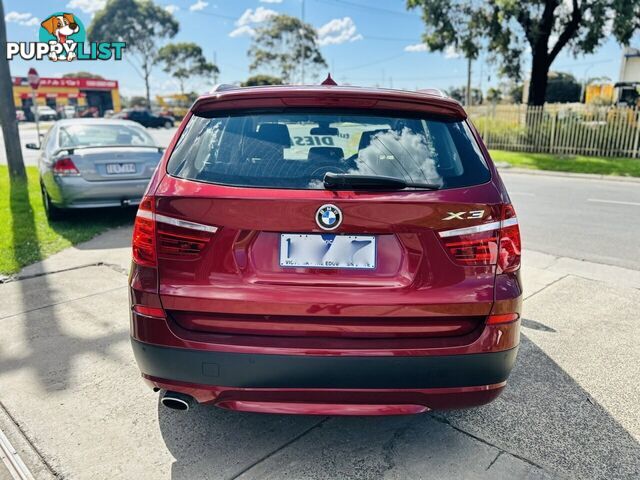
{"type": "Point", "coordinates": [562, 88]}
{"type": "Point", "coordinates": [142, 25]}
{"type": "Point", "coordinates": [8, 112]}
{"type": "Point", "coordinates": [283, 44]}
{"type": "Point", "coordinates": [460, 94]}
{"type": "Point", "coordinates": [137, 101]}
{"type": "Point", "coordinates": [257, 80]}
{"type": "Point", "coordinates": [508, 28]}
{"type": "Point", "coordinates": [515, 92]}
{"type": "Point", "coordinates": [444, 31]}
{"type": "Point", "coordinates": [494, 95]}
{"type": "Point", "coordinates": [82, 74]}
{"type": "Point", "coordinates": [184, 60]}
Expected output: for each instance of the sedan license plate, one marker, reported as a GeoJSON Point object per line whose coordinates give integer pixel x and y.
{"type": "Point", "coordinates": [120, 168]}
{"type": "Point", "coordinates": [327, 251]}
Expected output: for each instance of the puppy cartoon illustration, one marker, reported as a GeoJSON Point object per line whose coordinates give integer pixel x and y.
{"type": "Point", "coordinates": [61, 27]}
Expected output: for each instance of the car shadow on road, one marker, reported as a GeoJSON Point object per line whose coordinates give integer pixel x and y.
{"type": "Point", "coordinates": [543, 416]}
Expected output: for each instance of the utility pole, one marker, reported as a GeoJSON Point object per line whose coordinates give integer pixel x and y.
{"type": "Point", "coordinates": [302, 60]}
{"type": "Point", "coordinates": [467, 100]}
{"type": "Point", "coordinates": [8, 112]}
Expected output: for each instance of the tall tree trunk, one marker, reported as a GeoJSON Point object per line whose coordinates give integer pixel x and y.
{"type": "Point", "coordinates": [147, 71]}
{"type": "Point", "coordinates": [539, 78]}
{"type": "Point", "coordinates": [467, 99]}
{"type": "Point", "coordinates": [8, 111]}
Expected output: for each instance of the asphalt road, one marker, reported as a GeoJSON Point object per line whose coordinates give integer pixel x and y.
{"type": "Point", "coordinates": [594, 220]}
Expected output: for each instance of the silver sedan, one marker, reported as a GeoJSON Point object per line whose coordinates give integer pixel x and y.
{"type": "Point", "coordinates": [89, 163]}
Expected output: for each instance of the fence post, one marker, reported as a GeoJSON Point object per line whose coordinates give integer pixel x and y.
{"type": "Point", "coordinates": [636, 117]}
{"type": "Point", "coordinates": [552, 140]}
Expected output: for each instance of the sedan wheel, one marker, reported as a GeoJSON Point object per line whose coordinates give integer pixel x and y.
{"type": "Point", "coordinates": [168, 124]}
{"type": "Point", "coordinates": [52, 212]}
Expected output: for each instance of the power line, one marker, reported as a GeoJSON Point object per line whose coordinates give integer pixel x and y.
{"type": "Point", "coordinates": [368, 8]}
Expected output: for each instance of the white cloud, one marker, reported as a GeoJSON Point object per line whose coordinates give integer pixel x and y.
{"type": "Point", "coordinates": [451, 52]}
{"type": "Point", "coordinates": [270, 1]}
{"type": "Point", "coordinates": [417, 47]}
{"type": "Point", "coordinates": [337, 31]}
{"type": "Point", "coordinates": [87, 6]}
{"type": "Point", "coordinates": [199, 5]}
{"type": "Point", "coordinates": [249, 19]}
{"type": "Point", "coordinates": [172, 9]}
{"type": "Point", "coordinates": [25, 19]}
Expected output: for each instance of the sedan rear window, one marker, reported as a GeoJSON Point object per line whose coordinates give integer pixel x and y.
{"type": "Point", "coordinates": [102, 135]}
{"type": "Point", "coordinates": [295, 149]}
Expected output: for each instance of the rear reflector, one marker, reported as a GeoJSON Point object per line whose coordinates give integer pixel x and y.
{"type": "Point", "coordinates": [64, 167]}
{"type": "Point", "coordinates": [492, 243]}
{"type": "Point", "coordinates": [502, 318]}
{"type": "Point", "coordinates": [149, 311]}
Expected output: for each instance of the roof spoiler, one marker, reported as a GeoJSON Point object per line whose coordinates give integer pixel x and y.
{"type": "Point", "coordinates": [222, 87]}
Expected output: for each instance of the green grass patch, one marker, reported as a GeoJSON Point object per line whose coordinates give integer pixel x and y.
{"type": "Point", "coordinates": [26, 235]}
{"type": "Point", "coordinates": [629, 167]}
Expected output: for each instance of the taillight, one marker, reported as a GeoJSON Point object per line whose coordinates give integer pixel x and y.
{"type": "Point", "coordinates": [65, 167]}
{"type": "Point", "coordinates": [493, 243]}
{"type": "Point", "coordinates": [149, 311]}
{"type": "Point", "coordinates": [510, 245]}
{"type": "Point", "coordinates": [144, 241]}
{"type": "Point", "coordinates": [156, 235]}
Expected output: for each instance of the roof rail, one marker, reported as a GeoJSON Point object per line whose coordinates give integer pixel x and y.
{"type": "Point", "coordinates": [221, 87]}
{"type": "Point", "coordinates": [433, 91]}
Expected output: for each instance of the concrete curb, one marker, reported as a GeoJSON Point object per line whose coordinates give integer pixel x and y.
{"type": "Point", "coordinates": [548, 173]}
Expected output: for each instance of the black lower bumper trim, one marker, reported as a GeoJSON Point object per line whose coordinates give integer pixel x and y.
{"type": "Point", "coordinates": [298, 371]}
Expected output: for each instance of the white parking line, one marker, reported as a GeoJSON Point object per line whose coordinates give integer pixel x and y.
{"type": "Point", "coordinates": [615, 202]}
{"type": "Point", "coordinates": [17, 468]}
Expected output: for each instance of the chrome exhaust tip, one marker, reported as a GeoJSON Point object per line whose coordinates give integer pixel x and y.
{"type": "Point", "coordinates": [176, 401]}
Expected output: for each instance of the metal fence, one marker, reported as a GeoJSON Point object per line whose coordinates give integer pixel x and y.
{"type": "Point", "coordinates": [566, 129]}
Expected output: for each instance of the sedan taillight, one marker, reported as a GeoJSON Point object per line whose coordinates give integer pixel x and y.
{"type": "Point", "coordinates": [65, 167]}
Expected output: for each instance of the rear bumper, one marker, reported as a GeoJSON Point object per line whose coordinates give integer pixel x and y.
{"type": "Point", "coordinates": [323, 372]}
{"type": "Point", "coordinates": [76, 192]}
{"type": "Point", "coordinates": [327, 385]}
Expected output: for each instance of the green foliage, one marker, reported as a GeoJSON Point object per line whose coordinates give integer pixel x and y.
{"type": "Point", "coordinates": [494, 95]}
{"type": "Point", "coordinates": [283, 44]}
{"type": "Point", "coordinates": [27, 234]}
{"type": "Point", "coordinates": [515, 92]}
{"type": "Point", "coordinates": [257, 80]}
{"type": "Point", "coordinates": [141, 24]}
{"type": "Point", "coordinates": [562, 88]}
{"type": "Point", "coordinates": [137, 101]}
{"type": "Point", "coordinates": [82, 74]}
{"type": "Point", "coordinates": [629, 167]}
{"type": "Point", "coordinates": [184, 60]}
{"type": "Point", "coordinates": [460, 93]}
{"type": "Point", "coordinates": [509, 28]}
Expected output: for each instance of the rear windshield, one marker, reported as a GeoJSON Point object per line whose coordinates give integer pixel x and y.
{"type": "Point", "coordinates": [103, 135]}
{"type": "Point", "coordinates": [295, 149]}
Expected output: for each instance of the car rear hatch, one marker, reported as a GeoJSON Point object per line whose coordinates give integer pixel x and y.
{"type": "Point", "coordinates": [242, 249]}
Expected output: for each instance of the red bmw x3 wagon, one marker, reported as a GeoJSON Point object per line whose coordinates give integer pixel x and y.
{"type": "Point", "coordinates": [326, 250]}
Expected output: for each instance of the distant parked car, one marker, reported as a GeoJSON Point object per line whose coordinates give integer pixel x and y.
{"type": "Point", "coordinates": [148, 119]}
{"type": "Point", "coordinates": [89, 163]}
{"type": "Point", "coordinates": [45, 113]}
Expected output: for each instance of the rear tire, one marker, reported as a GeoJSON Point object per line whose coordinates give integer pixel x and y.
{"type": "Point", "coordinates": [168, 124]}
{"type": "Point", "coordinates": [52, 212]}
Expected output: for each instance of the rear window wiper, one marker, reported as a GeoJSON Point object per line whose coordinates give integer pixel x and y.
{"type": "Point", "coordinates": [350, 181]}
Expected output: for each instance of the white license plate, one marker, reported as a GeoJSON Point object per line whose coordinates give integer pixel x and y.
{"type": "Point", "coordinates": [327, 250]}
{"type": "Point", "coordinates": [118, 168]}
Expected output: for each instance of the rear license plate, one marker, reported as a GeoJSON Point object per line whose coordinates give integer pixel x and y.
{"type": "Point", "coordinates": [119, 168]}
{"type": "Point", "coordinates": [327, 251]}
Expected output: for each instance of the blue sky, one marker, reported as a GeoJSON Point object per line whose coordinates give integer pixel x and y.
{"type": "Point", "coordinates": [364, 43]}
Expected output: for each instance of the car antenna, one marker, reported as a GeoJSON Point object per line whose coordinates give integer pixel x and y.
{"type": "Point", "coordinates": [329, 80]}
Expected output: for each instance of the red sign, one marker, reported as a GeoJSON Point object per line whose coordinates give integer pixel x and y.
{"type": "Point", "coordinates": [84, 83]}
{"type": "Point", "coordinates": [33, 78]}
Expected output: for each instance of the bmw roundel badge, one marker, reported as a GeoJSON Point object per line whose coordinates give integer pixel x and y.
{"type": "Point", "coordinates": [328, 217]}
